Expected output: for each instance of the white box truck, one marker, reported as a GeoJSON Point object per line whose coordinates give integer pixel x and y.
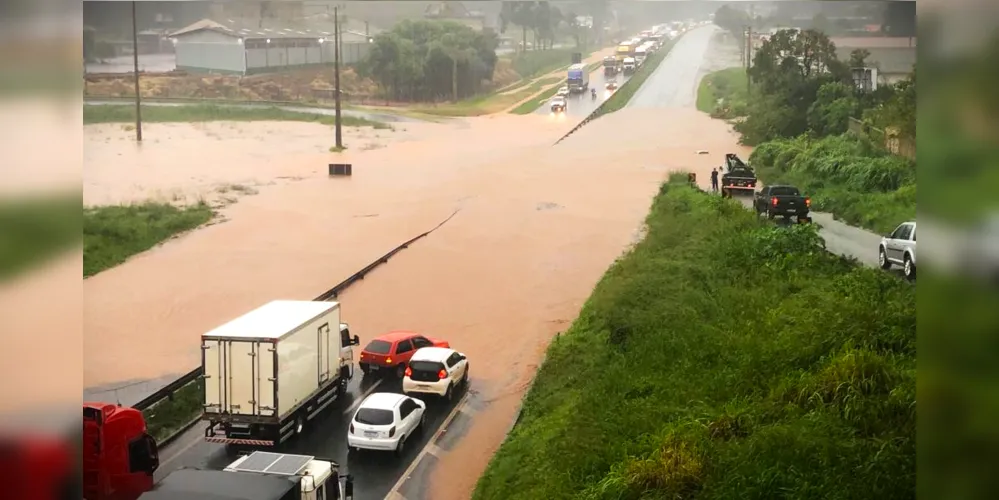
{"type": "Point", "coordinates": [273, 369]}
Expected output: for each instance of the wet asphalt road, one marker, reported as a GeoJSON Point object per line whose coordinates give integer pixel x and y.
{"type": "Point", "coordinates": [375, 473]}
{"type": "Point", "coordinates": [581, 105]}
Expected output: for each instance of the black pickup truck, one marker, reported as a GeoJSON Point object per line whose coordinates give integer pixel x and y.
{"type": "Point", "coordinates": [785, 201]}
{"type": "Point", "coordinates": [738, 178]}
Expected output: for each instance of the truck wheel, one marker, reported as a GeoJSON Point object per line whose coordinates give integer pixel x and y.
{"type": "Point", "coordinates": [883, 261]}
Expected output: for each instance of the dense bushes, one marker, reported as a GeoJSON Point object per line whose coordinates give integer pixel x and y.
{"type": "Point", "coordinates": [722, 358]}
{"type": "Point", "coordinates": [418, 60]}
{"type": "Point", "coordinates": [847, 175]}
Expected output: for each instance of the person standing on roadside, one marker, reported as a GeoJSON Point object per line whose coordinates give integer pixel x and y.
{"type": "Point", "coordinates": [714, 180]}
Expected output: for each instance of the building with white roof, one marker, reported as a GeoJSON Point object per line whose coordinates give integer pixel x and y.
{"type": "Point", "coordinates": [231, 47]}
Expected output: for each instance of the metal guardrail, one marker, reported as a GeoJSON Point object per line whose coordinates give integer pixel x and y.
{"type": "Point", "coordinates": [167, 391]}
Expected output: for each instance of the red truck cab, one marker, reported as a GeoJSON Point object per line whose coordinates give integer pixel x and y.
{"type": "Point", "coordinates": [119, 455]}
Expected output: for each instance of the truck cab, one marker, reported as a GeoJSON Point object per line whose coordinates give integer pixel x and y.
{"type": "Point", "coordinates": [629, 65]}
{"type": "Point", "coordinates": [119, 456]}
{"type": "Point", "coordinates": [259, 476]}
{"type": "Point", "coordinates": [347, 344]}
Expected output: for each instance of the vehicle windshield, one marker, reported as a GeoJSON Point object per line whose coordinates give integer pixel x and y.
{"type": "Point", "coordinates": [378, 347]}
{"type": "Point", "coordinates": [784, 191]}
{"type": "Point", "coordinates": [374, 416]}
{"type": "Point", "coordinates": [426, 366]}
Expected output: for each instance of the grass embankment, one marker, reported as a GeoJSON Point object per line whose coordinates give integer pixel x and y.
{"type": "Point", "coordinates": [625, 92]}
{"type": "Point", "coordinates": [36, 229]}
{"type": "Point", "coordinates": [845, 175]}
{"type": "Point", "coordinates": [533, 63]}
{"type": "Point", "coordinates": [123, 113]}
{"type": "Point", "coordinates": [112, 234]}
{"type": "Point", "coordinates": [724, 94]}
{"type": "Point", "coordinates": [722, 357]}
{"type": "Point", "coordinates": [169, 415]}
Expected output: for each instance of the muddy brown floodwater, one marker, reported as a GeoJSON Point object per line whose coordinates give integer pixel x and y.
{"type": "Point", "coordinates": [537, 226]}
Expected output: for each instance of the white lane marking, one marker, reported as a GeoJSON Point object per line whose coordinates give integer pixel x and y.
{"type": "Point", "coordinates": [394, 492]}
{"type": "Point", "coordinates": [199, 437]}
{"type": "Point", "coordinates": [363, 395]}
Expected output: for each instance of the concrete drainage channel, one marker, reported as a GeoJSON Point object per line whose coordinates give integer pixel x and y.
{"type": "Point", "coordinates": [167, 392]}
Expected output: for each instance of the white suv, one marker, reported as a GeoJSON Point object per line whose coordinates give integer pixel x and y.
{"type": "Point", "coordinates": [435, 370]}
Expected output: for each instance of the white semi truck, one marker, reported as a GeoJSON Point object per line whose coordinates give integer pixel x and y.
{"type": "Point", "coordinates": [268, 372]}
{"type": "Point", "coordinates": [258, 476]}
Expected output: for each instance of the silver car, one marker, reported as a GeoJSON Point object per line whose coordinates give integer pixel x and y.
{"type": "Point", "coordinates": [899, 248]}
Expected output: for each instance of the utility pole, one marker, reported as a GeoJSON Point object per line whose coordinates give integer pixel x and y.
{"type": "Point", "coordinates": [135, 62]}
{"type": "Point", "coordinates": [336, 74]}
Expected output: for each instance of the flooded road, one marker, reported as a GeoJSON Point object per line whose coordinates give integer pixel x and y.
{"type": "Point", "coordinates": [537, 226]}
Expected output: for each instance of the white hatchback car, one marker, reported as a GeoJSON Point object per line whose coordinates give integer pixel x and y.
{"type": "Point", "coordinates": [435, 370]}
{"type": "Point", "coordinates": [384, 421]}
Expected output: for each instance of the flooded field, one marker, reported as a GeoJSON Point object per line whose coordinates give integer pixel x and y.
{"type": "Point", "coordinates": [536, 228]}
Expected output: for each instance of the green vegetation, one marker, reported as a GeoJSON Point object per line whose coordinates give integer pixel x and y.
{"type": "Point", "coordinates": [36, 229]}
{"type": "Point", "coordinates": [724, 94]}
{"type": "Point", "coordinates": [541, 62]}
{"type": "Point", "coordinates": [112, 234]}
{"type": "Point", "coordinates": [625, 92]}
{"type": "Point", "coordinates": [431, 60]}
{"type": "Point", "coordinates": [170, 415]}
{"type": "Point", "coordinates": [807, 128]}
{"type": "Point", "coordinates": [846, 175]}
{"type": "Point", "coordinates": [124, 113]}
{"type": "Point", "coordinates": [723, 357]}
{"type": "Point", "coordinates": [532, 105]}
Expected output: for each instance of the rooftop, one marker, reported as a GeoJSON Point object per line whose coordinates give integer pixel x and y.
{"type": "Point", "coordinates": [272, 320]}
{"type": "Point", "coordinates": [431, 354]}
{"type": "Point", "coordinates": [382, 400]}
{"type": "Point", "coordinates": [252, 30]}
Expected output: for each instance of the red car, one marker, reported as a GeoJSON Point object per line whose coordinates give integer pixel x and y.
{"type": "Point", "coordinates": [391, 352]}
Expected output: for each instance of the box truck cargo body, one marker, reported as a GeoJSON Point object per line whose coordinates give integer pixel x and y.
{"type": "Point", "coordinates": [273, 369]}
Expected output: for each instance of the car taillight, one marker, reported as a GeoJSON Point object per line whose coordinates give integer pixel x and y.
{"type": "Point", "coordinates": [352, 427]}
{"type": "Point", "coordinates": [808, 202]}
{"type": "Point", "coordinates": [389, 360]}
{"type": "Point", "coordinates": [362, 354]}
{"type": "Point", "coordinates": [409, 372]}
{"type": "Point", "coordinates": [773, 201]}
{"type": "Point", "coordinates": [392, 431]}
{"type": "Point", "coordinates": [441, 375]}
